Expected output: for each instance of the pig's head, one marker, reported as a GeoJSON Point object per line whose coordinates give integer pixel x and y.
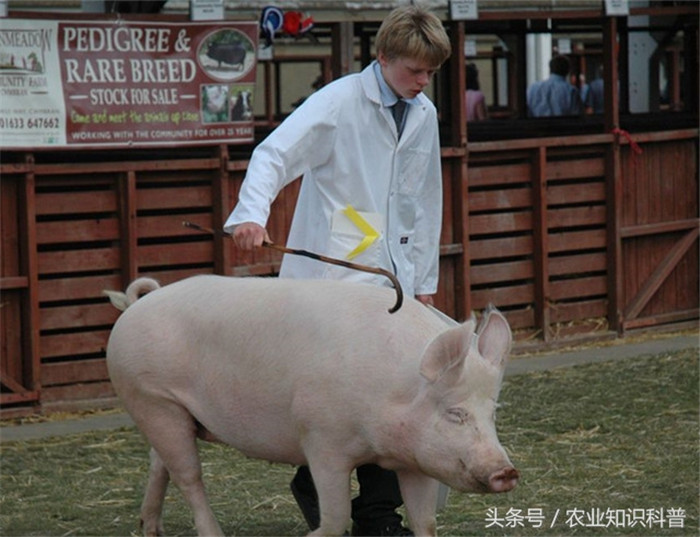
{"type": "Point", "coordinates": [452, 418]}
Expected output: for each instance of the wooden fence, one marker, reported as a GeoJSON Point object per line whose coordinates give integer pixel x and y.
{"type": "Point", "coordinates": [580, 234]}
{"type": "Point", "coordinates": [568, 236]}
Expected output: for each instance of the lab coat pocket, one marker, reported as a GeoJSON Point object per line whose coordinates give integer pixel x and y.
{"type": "Point", "coordinates": [350, 243]}
{"type": "Point", "coordinates": [413, 165]}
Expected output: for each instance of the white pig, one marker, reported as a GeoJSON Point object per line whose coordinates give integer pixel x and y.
{"type": "Point", "coordinates": [310, 372]}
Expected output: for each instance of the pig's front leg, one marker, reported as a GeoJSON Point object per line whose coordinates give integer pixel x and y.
{"type": "Point", "coordinates": [419, 494]}
{"type": "Point", "coordinates": [333, 488]}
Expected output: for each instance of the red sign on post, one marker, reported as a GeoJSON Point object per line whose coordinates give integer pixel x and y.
{"type": "Point", "coordinates": [124, 83]}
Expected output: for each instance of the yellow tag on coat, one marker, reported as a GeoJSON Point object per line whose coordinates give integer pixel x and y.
{"type": "Point", "coordinates": [369, 232]}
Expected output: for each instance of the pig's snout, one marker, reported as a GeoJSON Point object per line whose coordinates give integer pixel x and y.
{"type": "Point", "coordinates": [504, 480]}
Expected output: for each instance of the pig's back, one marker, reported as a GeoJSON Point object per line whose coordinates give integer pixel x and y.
{"type": "Point", "coordinates": [271, 313]}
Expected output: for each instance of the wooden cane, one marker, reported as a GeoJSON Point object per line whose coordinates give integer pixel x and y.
{"type": "Point", "coordinates": [318, 257]}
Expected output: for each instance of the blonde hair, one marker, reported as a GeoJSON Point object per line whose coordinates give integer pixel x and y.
{"type": "Point", "coordinates": [413, 32]}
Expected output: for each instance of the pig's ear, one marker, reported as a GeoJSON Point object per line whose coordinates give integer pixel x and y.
{"type": "Point", "coordinates": [447, 351]}
{"type": "Point", "coordinates": [495, 337]}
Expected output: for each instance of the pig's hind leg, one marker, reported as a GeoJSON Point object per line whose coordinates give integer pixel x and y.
{"type": "Point", "coordinates": [172, 432]}
{"type": "Point", "coordinates": [152, 506]}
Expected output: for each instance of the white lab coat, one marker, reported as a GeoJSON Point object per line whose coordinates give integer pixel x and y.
{"type": "Point", "coordinates": [344, 143]}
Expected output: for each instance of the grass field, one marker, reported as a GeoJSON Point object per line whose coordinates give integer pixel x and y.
{"type": "Point", "coordinates": [606, 449]}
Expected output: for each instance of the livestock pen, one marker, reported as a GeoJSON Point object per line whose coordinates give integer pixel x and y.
{"type": "Point", "coordinates": [574, 229]}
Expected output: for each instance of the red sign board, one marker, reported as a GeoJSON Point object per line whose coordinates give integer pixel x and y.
{"type": "Point", "coordinates": [72, 83]}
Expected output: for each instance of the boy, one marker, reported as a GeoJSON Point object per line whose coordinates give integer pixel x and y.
{"type": "Point", "coordinates": [367, 146]}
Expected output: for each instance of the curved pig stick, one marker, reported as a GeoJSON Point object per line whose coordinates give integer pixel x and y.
{"type": "Point", "coordinates": [318, 257]}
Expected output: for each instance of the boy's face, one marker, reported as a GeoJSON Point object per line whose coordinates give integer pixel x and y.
{"type": "Point", "coordinates": [407, 77]}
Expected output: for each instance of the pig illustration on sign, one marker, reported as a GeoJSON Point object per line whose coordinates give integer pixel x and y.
{"type": "Point", "coordinates": [230, 53]}
{"type": "Point", "coordinates": [310, 372]}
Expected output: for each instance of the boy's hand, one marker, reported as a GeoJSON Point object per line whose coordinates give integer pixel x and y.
{"type": "Point", "coordinates": [425, 299]}
{"type": "Point", "coordinates": [249, 235]}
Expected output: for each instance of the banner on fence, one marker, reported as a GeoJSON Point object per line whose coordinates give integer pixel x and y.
{"type": "Point", "coordinates": [125, 83]}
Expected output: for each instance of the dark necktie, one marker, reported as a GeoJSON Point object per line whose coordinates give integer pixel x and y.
{"type": "Point", "coordinates": [397, 111]}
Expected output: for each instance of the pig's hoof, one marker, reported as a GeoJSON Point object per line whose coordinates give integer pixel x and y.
{"type": "Point", "coordinates": [151, 530]}
{"type": "Point", "coordinates": [394, 528]}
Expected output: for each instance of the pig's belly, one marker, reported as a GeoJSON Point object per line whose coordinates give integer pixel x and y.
{"type": "Point", "coordinates": [273, 446]}
{"type": "Point", "coordinates": [269, 435]}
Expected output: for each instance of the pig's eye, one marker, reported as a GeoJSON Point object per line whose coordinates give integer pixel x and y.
{"type": "Point", "coordinates": [457, 415]}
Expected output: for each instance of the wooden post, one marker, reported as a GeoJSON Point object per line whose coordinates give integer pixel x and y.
{"type": "Point", "coordinates": [220, 211]}
{"type": "Point", "coordinates": [613, 175]}
{"type": "Point", "coordinates": [519, 95]}
{"type": "Point", "coordinates": [611, 77]}
{"type": "Point", "coordinates": [269, 109]}
{"type": "Point", "coordinates": [459, 86]}
{"type": "Point", "coordinates": [343, 50]}
{"type": "Point", "coordinates": [460, 175]}
{"type": "Point", "coordinates": [129, 232]}
{"type": "Point", "coordinates": [691, 51]}
{"type": "Point", "coordinates": [29, 265]}
{"type": "Point", "coordinates": [541, 242]}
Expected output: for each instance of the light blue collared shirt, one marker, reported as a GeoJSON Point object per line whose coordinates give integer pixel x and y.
{"type": "Point", "coordinates": [553, 97]}
{"type": "Point", "coordinates": [388, 96]}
